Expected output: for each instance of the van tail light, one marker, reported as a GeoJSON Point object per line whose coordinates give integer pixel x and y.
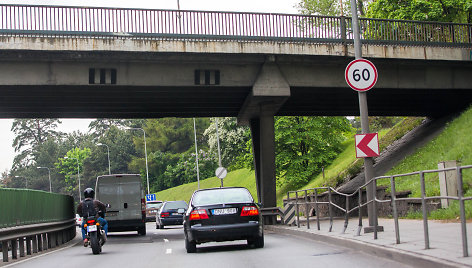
{"type": "Point", "coordinates": [143, 210]}
{"type": "Point", "coordinates": [249, 211]}
{"type": "Point", "coordinates": [165, 214]}
{"type": "Point", "coordinates": [198, 214]}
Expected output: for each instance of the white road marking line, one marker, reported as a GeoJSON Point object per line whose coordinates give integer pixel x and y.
{"type": "Point", "coordinates": [166, 240]}
{"type": "Point", "coordinates": [169, 251]}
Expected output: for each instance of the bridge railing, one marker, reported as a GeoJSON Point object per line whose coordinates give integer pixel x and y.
{"type": "Point", "coordinates": [182, 24]}
{"type": "Point", "coordinates": [310, 198]}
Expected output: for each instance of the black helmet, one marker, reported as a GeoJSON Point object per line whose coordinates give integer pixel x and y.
{"type": "Point", "coordinates": [89, 193]}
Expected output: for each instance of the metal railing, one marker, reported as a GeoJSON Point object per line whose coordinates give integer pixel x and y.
{"type": "Point", "coordinates": [61, 21]}
{"type": "Point", "coordinates": [311, 197]}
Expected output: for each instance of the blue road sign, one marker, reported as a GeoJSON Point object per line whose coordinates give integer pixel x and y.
{"type": "Point", "coordinates": [151, 197]}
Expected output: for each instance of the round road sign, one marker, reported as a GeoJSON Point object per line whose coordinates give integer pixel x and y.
{"type": "Point", "coordinates": [361, 75]}
{"type": "Point", "coordinates": [221, 172]}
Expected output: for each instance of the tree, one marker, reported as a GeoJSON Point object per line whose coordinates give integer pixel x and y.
{"type": "Point", "coordinates": [100, 126]}
{"type": "Point", "coordinates": [459, 11]}
{"type": "Point", "coordinates": [72, 165]}
{"type": "Point", "coordinates": [30, 133]}
{"type": "Point", "coordinates": [304, 145]}
{"type": "Point", "coordinates": [233, 141]}
{"type": "Point", "coordinates": [330, 7]}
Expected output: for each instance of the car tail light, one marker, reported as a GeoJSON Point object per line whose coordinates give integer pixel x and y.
{"type": "Point", "coordinates": [199, 214]}
{"type": "Point", "coordinates": [249, 211]}
{"type": "Point", "coordinates": [165, 214]}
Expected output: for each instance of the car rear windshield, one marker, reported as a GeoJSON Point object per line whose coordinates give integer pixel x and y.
{"type": "Point", "coordinates": [222, 196]}
{"type": "Point", "coordinates": [175, 205]}
{"type": "Point", "coordinates": [153, 205]}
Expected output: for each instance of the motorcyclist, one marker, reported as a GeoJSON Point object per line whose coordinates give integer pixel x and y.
{"type": "Point", "coordinates": [100, 208]}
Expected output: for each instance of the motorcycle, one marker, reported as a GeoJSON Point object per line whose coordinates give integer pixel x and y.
{"type": "Point", "coordinates": [94, 234]}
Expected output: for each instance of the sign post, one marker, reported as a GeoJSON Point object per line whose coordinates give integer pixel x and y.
{"type": "Point", "coordinates": [364, 115]}
{"type": "Point", "coordinates": [221, 173]}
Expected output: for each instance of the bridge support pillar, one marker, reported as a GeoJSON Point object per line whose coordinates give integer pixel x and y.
{"type": "Point", "coordinates": [269, 93]}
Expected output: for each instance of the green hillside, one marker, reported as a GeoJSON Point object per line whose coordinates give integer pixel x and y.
{"type": "Point", "coordinates": [241, 177]}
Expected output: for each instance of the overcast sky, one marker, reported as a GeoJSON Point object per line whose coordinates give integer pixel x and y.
{"type": "Point", "coordinates": [267, 6]}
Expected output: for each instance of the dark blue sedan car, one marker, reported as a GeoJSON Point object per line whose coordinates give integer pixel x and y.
{"type": "Point", "coordinates": [222, 214]}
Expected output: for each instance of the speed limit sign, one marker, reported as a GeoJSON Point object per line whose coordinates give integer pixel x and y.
{"type": "Point", "coordinates": [361, 75]}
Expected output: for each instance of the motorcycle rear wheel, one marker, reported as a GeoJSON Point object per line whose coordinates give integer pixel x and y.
{"type": "Point", "coordinates": [95, 243]}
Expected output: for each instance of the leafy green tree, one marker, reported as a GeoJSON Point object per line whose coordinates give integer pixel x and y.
{"type": "Point", "coordinates": [71, 164]}
{"type": "Point", "coordinates": [459, 11]}
{"type": "Point", "coordinates": [304, 145]}
{"type": "Point", "coordinates": [30, 133]}
{"type": "Point", "coordinates": [330, 7]}
{"type": "Point", "coordinates": [233, 141]}
{"type": "Point", "coordinates": [99, 127]}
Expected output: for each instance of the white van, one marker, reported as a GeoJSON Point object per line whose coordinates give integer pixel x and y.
{"type": "Point", "coordinates": [125, 196]}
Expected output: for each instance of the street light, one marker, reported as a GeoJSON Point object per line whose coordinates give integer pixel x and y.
{"type": "Point", "coordinates": [108, 151]}
{"type": "Point", "coordinates": [78, 175]}
{"type": "Point", "coordinates": [49, 171]}
{"type": "Point", "coordinates": [26, 181]}
{"type": "Point", "coordinates": [145, 153]}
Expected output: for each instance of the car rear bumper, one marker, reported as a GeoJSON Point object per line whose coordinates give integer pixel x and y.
{"type": "Point", "coordinates": [172, 221]}
{"type": "Point", "coordinates": [125, 225]}
{"type": "Point", "coordinates": [224, 232]}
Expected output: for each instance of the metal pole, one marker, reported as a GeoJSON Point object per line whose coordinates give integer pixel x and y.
{"type": "Point", "coordinates": [364, 115]}
{"type": "Point", "coordinates": [465, 246]}
{"type": "Point", "coordinates": [145, 156]}
{"type": "Point", "coordinates": [49, 172]}
{"type": "Point", "coordinates": [78, 177]}
{"type": "Point", "coordinates": [218, 141]}
{"type": "Point", "coordinates": [394, 207]}
{"type": "Point", "coordinates": [196, 152]}
{"type": "Point", "coordinates": [425, 211]}
{"type": "Point", "coordinates": [108, 153]}
{"type": "Point", "coordinates": [145, 153]}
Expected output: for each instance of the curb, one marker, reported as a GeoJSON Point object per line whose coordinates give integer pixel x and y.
{"type": "Point", "coordinates": [399, 255]}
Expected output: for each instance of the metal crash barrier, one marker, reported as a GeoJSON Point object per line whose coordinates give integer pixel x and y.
{"type": "Point", "coordinates": [33, 221]}
{"type": "Point", "coordinates": [309, 198]}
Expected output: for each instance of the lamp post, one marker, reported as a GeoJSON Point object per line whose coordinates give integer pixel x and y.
{"type": "Point", "coordinates": [78, 175]}
{"type": "Point", "coordinates": [26, 181]}
{"type": "Point", "coordinates": [196, 153]}
{"type": "Point", "coordinates": [49, 171]}
{"type": "Point", "coordinates": [145, 153]}
{"type": "Point", "coordinates": [108, 151]}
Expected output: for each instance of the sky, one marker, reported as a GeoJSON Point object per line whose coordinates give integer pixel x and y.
{"type": "Point", "coordinates": [69, 125]}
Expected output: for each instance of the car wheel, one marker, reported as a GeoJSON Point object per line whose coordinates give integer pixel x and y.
{"type": "Point", "coordinates": [257, 242]}
{"type": "Point", "coordinates": [142, 231]}
{"type": "Point", "coordinates": [191, 246]}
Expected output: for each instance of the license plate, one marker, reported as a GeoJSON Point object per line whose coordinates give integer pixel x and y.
{"type": "Point", "coordinates": [177, 214]}
{"type": "Point", "coordinates": [224, 211]}
{"type": "Point", "coordinates": [92, 228]}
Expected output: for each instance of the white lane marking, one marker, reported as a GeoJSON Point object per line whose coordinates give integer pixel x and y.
{"type": "Point", "coordinates": [169, 251]}
{"type": "Point", "coordinates": [166, 240]}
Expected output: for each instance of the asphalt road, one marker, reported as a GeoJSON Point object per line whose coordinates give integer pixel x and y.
{"type": "Point", "coordinates": [165, 248]}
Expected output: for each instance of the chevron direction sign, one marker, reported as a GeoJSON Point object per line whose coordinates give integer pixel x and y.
{"type": "Point", "coordinates": [367, 145]}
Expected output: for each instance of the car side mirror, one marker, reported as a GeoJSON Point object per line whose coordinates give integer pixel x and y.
{"type": "Point", "coordinates": [180, 210]}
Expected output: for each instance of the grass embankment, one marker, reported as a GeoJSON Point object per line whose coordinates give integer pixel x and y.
{"type": "Point", "coordinates": [241, 177]}
{"type": "Point", "coordinates": [454, 143]}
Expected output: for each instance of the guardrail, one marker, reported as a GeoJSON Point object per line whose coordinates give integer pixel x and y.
{"type": "Point", "coordinates": [310, 197]}
{"type": "Point", "coordinates": [36, 237]}
{"type": "Point", "coordinates": [37, 219]}
{"type": "Point", "coordinates": [101, 22]}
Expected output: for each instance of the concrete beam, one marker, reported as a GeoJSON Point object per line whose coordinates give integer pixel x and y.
{"type": "Point", "coordinates": [270, 89]}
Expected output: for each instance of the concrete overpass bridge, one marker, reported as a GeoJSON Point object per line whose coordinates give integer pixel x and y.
{"type": "Point", "coordinates": [128, 63]}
